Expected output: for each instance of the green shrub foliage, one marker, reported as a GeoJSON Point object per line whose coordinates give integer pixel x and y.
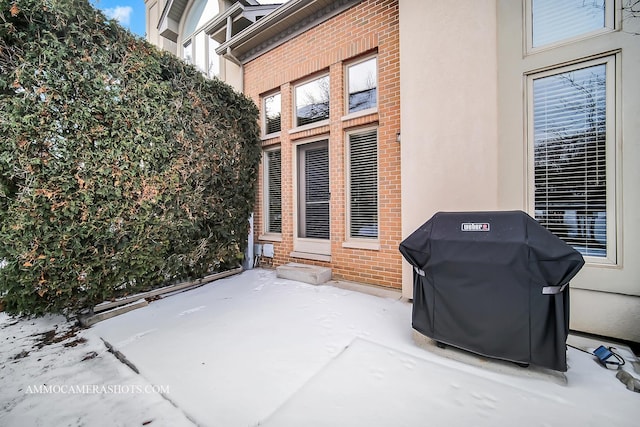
{"type": "Point", "coordinates": [121, 167]}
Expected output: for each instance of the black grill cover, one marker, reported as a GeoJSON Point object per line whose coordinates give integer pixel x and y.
{"type": "Point", "coordinates": [494, 283]}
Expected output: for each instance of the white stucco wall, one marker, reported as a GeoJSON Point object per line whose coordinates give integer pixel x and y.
{"type": "Point", "coordinates": [153, 11]}
{"type": "Point", "coordinates": [448, 91]}
{"type": "Point", "coordinates": [234, 75]}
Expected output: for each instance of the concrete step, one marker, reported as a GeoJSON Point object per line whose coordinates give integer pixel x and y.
{"type": "Point", "coordinates": [312, 274]}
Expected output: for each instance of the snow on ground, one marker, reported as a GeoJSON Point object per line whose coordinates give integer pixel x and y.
{"type": "Point", "coordinates": [253, 349]}
{"type": "Point", "coordinates": [52, 374]}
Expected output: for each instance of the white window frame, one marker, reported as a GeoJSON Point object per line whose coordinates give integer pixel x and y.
{"type": "Point", "coordinates": [364, 112]}
{"type": "Point", "coordinates": [306, 245]}
{"type": "Point", "coordinates": [612, 147]}
{"type": "Point", "coordinates": [296, 127]}
{"type": "Point", "coordinates": [264, 115]}
{"type": "Point", "coordinates": [355, 242]}
{"type": "Point", "coordinates": [611, 23]}
{"type": "Point", "coordinates": [266, 234]}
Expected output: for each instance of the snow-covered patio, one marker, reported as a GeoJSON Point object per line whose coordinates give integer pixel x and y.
{"type": "Point", "coordinates": [253, 349]}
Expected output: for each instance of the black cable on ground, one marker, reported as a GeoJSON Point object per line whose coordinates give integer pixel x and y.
{"type": "Point", "coordinates": [603, 354]}
{"type": "Point", "coordinates": [578, 348]}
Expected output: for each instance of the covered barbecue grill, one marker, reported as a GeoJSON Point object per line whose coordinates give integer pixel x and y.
{"type": "Point", "coordinates": [494, 283]}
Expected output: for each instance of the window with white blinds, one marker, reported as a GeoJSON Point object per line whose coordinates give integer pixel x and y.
{"type": "Point", "coordinates": [313, 190]}
{"type": "Point", "coordinates": [272, 116]}
{"type": "Point", "coordinates": [363, 184]}
{"type": "Point", "coordinates": [554, 21]}
{"type": "Point", "coordinates": [273, 191]}
{"type": "Point", "coordinates": [571, 144]}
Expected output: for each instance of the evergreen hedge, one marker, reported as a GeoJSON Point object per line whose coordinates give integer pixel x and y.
{"type": "Point", "coordinates": [121, 167]}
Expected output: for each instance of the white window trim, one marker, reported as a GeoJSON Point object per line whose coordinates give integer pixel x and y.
{"type": "Point", "coordinates": [612, 22]}
{"type": "Point", "coordinates": [367, 111]}
{"type": "Point", "coordinates": [309, 126]}
{"type": "Point", "coordinates": [358, 114]}
{"type": "Point", "coordinates": [295, 128]}
{"type": "Point", "coordinates": [263, 100]}
{"type": "Point", "coordinates": [613, 99]}
{"type": "Point", "coordinates": [269, 235]}
{"type": "Point", "coordinates": [304, 245]}
{"type": "Point", "coordinates": [355, 242]}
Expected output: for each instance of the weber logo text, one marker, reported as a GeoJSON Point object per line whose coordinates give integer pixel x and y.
{"type": "Point", "coordinates": [475, 226]}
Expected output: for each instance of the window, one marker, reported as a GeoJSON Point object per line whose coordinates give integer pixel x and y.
{"type": "Point", "coordinates": [272, 191]}
{"type": "Point", "coordinates": [573, 154]}
{"type": "Point", "coordinates": [272, 109]}
{"type": "Point", "coordinates": [362, 186]}
{"type": "Point", "coordinates": [198, 47]}
{"type": "Point", "coordinates": [200, 50]}
{"type": "Point", "coordinates": [214, 60]}
{"type": "Point", "coordinates": [187, 52]}
{"type": "Point", "coordinates": [312, 101]}
{"type": "Point", "coordinates": [313, 190]}
{"type": "Point", "coordinates": [553, 21]}
{"type": "Point", "coordinates": [362, 84]}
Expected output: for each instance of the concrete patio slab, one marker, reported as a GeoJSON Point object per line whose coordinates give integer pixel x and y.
{"type": "Point", "coordinates": [255, 349]}
{"type": "Point", "coordinates": [392, 388]}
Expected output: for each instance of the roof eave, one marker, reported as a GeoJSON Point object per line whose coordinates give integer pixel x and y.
{"type": "Point", "coordinates": [252, 41]}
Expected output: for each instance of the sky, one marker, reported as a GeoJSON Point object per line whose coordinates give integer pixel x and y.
{"type": "Point", "coordinates": [131, 13]}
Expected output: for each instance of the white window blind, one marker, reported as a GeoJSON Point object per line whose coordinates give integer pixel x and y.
{"type": "Point", "coordinates": [363, 185]}
{"type": "Point", "coordinates": [273, 193]}
{"type": "Point", "coordinates": [570, 161]}
{"type": "Point", "coordinates": [558, 20]}
{"type": "Point", "coordinates": [314, 191]}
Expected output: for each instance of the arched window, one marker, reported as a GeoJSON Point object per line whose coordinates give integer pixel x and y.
{"type": "Point", "coordinates": [197, 47]}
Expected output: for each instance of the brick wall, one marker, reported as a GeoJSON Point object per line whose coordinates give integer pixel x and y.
{"type": "Point", "coordinates": [369, 27]}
